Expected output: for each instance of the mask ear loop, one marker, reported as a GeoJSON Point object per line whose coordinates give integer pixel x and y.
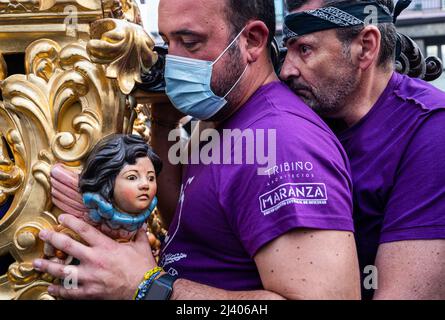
{"type": "Point", "coordinates": [237, 81]}
{"type": "Point", "coordinates": [229, 46]}
{"type": "Point", "coordinates": [220, 56]}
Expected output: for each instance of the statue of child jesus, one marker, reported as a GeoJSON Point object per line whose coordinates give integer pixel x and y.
{"type": "Point", "coordinates": [118, 187]}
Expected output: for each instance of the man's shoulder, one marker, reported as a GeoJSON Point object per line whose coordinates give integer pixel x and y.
{"type": "Point", "coordinates": [275, 111]}
{"type": "Point", "coordinates": [283, 110]}
{"type": "Point", "coordinates": [420, 94]}
{"type": "Point", "coordinates": [298, 130]}
{"type": "Point", "coordinates": [423, 105]}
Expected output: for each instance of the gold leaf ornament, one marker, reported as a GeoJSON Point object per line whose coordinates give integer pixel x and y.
{"type": "Point", "coordinates": [125, 48]}
{"type": "Point", "coordinates": [3, 68]}
{"type": "Point", "coordinates": [42, 58]}
{"type": "Point", "coordinates": [11, 175]}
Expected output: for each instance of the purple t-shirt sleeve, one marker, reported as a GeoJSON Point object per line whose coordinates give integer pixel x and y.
{"type": "Point", "coordinates": [309, 187]}
{"type": "Point", "coordinates": [416, 207]}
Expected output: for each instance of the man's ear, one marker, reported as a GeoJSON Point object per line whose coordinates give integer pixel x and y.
{"type": "Point", "coordinates": [257, 35]}
{"type": "Point", "coordinates": [368, 46]}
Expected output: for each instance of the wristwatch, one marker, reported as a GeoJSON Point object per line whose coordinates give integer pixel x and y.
{"type": "Point", "coordinates": [161, 288]}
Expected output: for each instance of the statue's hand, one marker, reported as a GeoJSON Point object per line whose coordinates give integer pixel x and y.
{"type": "Point", "coordinates": [65, 191]}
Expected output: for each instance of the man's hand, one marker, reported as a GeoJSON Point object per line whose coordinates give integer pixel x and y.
{"type": "Point", "coordinates": [107, 270]}
{"type": "Point", "coordinates": [65, 191]}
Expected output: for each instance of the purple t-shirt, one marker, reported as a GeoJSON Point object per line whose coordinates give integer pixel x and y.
{"type": "Point", "coordinates": [226, 213]}
{"type": "Point", "coordinates": [397, 154]}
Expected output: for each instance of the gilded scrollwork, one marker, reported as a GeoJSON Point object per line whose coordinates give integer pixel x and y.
{"type": "Point", "coordinates": [3, 68]}
{"type": "Point", "coordinates": [140, 123]}
{"type": "Point", "coordinates": [124, 9]}
{"type": "Point", "coordinates": [27, 6]}
{"type": "Point", "coordinates": [71, 94]}
{"type": "Point", "coordinates": [125, 48]}
{"type": "Point", "coordinates": [12, 6]}
{"type": "Point", "coordinates": [11, 175]}
{"type": "Point", "coordinates": [54, 113]}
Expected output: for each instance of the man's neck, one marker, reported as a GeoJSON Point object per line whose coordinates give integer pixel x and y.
{"type": "Point", "coordinates": [263, 74]}
{"type": "Point", "coordinates": [371, 87]}
{"type": "Point", "coordinates": [264, 77]}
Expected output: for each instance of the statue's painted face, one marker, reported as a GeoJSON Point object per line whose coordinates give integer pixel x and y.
{"type": "Point", "coordinates": [135, 186]}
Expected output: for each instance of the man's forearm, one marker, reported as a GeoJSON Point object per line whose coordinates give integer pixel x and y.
{"type": "Point", "coordinates": [169, 181]}
{"type": "Point", "coordinates": [189, 290]}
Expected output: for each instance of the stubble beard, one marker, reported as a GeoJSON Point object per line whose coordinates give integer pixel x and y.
{"type": "Point", "coordinates": [233, 69]}
{"type": "Point", "coordinates": [330, 96]}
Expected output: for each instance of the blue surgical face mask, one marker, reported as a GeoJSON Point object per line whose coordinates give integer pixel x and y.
{"type": "Point", "coordinates": [188, 85]}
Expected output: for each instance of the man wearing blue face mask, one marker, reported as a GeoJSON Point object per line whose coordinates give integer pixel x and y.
{"type": "Point", "coordinates": [188, 85]}
{"type": "Point", "coordinates": [235, 234]}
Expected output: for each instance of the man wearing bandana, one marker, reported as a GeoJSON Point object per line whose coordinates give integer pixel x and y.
{"type": "Point", "coordinates": [286, 233]}
{"type": "Point", "coordinates": [393, 130]}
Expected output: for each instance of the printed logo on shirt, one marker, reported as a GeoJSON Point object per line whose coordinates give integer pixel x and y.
{"type": "Point", "coordinates": [172, 258]}
{"type": "Point", "coordinates": [293, 193]}
{"type": "Point", "coordinates": [290, 170]}
{"type": "Point", "coordinates": [290, 167]}
{"type": "Point", "coordinates": [173, 272]}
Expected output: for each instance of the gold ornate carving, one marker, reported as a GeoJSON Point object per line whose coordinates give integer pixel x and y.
{"type": "Point", "coordinates": [124, 9]}
{"type": "Point", "coordinates": [54, 113]}
{"type": "Point", "coordinates": [23, 6]}
{"type": "Point", "coordinates": [140, 123]}
{"type": "Point", "coordinates": [67, 98]}
{"type": "Point", "coordinates": [11, 6]}
{"type": "Point", "coordinates": [11, 175]}
{"type": "Point", "coordinates": [125, 48]}
{"type": "Point", "coordinates": [3, 68]}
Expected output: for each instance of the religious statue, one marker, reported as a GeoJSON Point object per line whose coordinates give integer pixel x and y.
{"type": "Point", "coordinates": [118, 187]}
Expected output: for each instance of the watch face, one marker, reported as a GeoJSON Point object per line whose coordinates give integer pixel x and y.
{"type": "Point", "coordinates": [158, 291]}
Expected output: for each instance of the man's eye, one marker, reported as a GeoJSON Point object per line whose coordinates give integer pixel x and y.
{"type": "Point", "coordinates": [304, 49]}
{"type": "Point", "coordinates": [189, 45]}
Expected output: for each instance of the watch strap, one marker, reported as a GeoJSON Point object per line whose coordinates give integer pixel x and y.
{"type": "Point", "coordinates": [161, 288]}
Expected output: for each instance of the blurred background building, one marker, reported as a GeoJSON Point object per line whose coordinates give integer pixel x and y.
{"type": "Point", "coordinates": [423, 21]}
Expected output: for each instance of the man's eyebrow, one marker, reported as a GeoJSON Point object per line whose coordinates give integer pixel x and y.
{"type": "Point", "coordinates": [182, 32]}
{"type": "Point", "coordinates": [306, 37]}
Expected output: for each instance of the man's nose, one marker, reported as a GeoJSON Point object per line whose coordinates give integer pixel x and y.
{"type": "Point", "coordinates": [289, 69]}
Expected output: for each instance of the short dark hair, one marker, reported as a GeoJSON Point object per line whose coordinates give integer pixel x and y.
{"type": "Point", "coordinates": [346, 35]}
{"type": "Point", "coordinates": [107, 159]}
{"type": "Point", "coordinates": [241, 11]}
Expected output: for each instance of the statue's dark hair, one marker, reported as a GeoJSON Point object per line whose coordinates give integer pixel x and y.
{"type": "Point", "coordinates": [108, 158]}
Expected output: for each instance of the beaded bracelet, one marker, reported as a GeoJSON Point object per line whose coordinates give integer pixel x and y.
{"type": "Point", "coordinates": [149, 277]}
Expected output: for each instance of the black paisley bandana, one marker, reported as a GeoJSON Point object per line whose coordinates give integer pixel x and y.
{"type": "Point", "coordinates": [335, 16]}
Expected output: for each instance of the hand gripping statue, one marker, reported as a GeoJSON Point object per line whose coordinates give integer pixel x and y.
{"type": "Point", "coordinates": [118, 187]}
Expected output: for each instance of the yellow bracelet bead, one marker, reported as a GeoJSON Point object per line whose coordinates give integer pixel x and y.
{"type": "Point", "coordinates": [150, 273]}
